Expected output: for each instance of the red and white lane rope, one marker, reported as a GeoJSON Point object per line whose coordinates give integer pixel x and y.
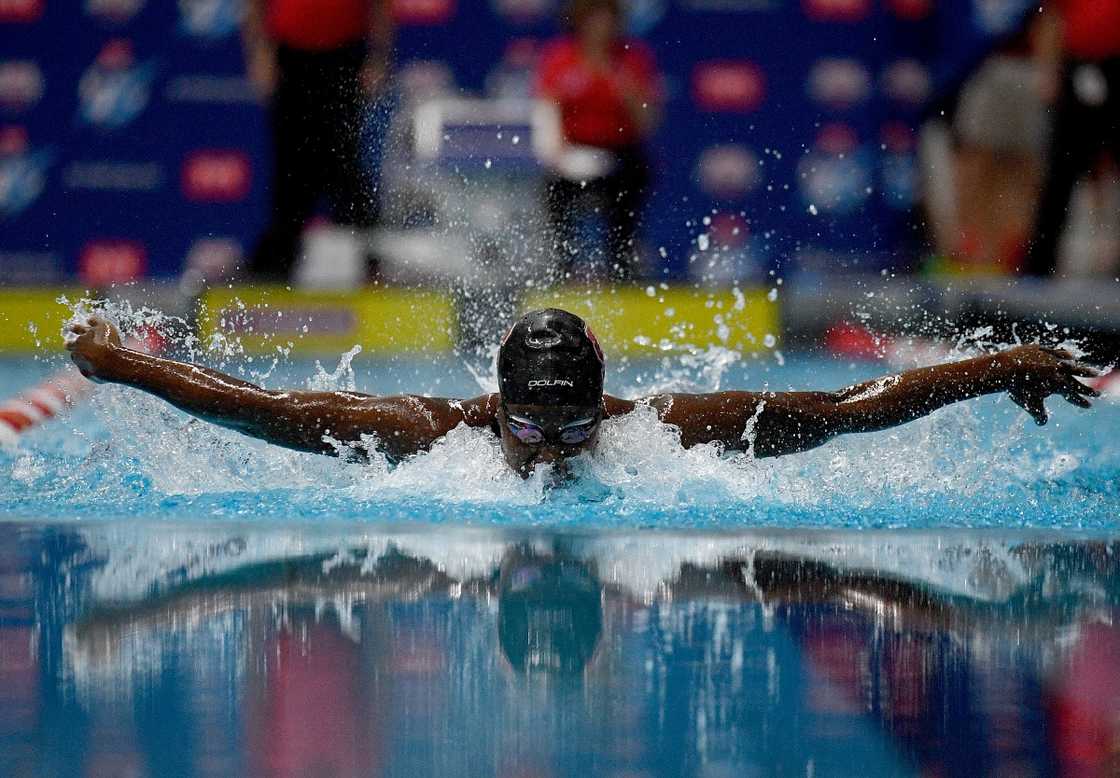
{"type": "Point", "coordinates": [41, 402]}
{"type": "Point", "coordinates": [58, 392]}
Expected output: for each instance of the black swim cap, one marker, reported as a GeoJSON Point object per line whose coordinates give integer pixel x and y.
{"type": "Point", "coordinates": [551, 357]}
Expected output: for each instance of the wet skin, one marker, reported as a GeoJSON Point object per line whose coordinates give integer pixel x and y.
{"type": "Point", "coordinates": [780, 422]}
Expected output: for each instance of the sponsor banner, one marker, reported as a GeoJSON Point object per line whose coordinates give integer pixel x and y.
{"type": "Point", "coordinates": [142, 106]}
{"type": "Point", "coordinates": [381, 321]}
{"type": "Point", "coordinates": [736, 86]}
{"type": "Point", "coordinates": [31, 318]}
{"type": "Point", "coordinates": [216, 176]}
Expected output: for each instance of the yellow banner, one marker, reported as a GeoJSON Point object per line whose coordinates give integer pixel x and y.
{"type": "Point", "coordinates": [635, 320]}
{"type": "Point", "coordinates": [382, 321]}
{"type": "Point", "coordinates": [31, 319]}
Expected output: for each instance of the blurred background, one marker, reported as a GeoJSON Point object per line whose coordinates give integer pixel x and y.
{"type": "Point", "coordinates": [807, 150]}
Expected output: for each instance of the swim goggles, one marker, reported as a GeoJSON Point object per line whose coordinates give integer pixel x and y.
{"type": "Point", "coordinates": [533, 434]}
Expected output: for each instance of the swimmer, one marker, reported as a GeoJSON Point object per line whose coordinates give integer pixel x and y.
{"type": "Point", "coordinates": [550, 403]}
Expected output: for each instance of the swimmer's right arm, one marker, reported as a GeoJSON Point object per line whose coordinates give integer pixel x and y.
{"type": "Point", "coordinates": [302, 420]}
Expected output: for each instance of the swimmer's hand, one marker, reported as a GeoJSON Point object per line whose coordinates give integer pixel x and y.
{"type": "Point", "coordinates": [1033, 373]}
{"type": "Point", "coordinates": [93, 344]}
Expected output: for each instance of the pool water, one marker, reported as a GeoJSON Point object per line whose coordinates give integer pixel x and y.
{"type": "Point", "coordinates": [223, 648]}
{"type": "Point", "coordinates": [977, 464]}
{"type": "Point", "coordinates": [939, 599]}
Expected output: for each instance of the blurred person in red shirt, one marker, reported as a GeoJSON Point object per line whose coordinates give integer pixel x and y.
{"type": "Point", "coordinates": [1079, 46]}
{"type": "Point", "coordinates": [317, 63]}
{"type": "Point", "coordinates": [607, 89]}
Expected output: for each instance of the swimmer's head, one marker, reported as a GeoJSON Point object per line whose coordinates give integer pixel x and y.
{"type": "Point", "coordinates": [550, 378]}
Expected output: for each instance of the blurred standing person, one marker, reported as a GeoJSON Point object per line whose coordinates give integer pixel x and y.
{"type": "Point", "coordinates": [607, 89]}
{"type": "Point", "coordinates": [1079, 46]}
{"type": "Point", "coordinates": [317, 63]}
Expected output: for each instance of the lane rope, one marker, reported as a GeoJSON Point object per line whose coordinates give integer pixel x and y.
{"type": "Point", "coordinates": [59, 392]}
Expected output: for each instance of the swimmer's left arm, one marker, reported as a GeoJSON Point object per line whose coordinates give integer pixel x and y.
{"type": "Point", "coordinates": [776, 423]}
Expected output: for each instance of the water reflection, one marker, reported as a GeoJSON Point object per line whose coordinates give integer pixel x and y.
{"type": "Point", "coordinates": [206, 650]}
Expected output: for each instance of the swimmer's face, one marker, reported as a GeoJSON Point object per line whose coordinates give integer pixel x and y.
{"type": "Point", "coordinates": [546, 434]}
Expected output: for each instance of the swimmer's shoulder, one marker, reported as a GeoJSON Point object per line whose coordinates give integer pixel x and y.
{"type": "Point", "coordinates": [481, 411]}
{"type": "Point", "coordinates": [616, 406]}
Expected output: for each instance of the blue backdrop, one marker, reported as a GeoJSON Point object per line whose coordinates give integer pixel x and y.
{"type": "Point", "coordinates": [129, 138]}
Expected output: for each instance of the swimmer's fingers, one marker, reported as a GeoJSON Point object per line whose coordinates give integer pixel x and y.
{"type": "Point", "coordinates": [1076, 399]}
{"type": "Point", "coordinates": [1077, 393]}
{"type": "Point", "coordinates": [1081, 369]}
{"type": "Point", "coordinates": [1032, 404]}
{"type": "Point", "coordinates": [1083, 389]}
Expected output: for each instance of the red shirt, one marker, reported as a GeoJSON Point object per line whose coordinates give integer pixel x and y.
{"type": "Point", "coordinates": [1092, 28]}
{"type": "Point", "coordinates": [592, 108]}
{"type": "Point", "coordinates": [318, 25]}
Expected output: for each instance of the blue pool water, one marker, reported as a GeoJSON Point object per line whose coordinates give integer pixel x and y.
{"type": "Point", "coordinates": [977, 464]}
{"type": "Point", "coordinates": [940, 599]}
{"type": "Point", "coordinates": [224, 648]}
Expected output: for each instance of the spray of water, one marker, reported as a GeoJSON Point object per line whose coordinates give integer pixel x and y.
{"type": "Point", "coordinates": [129, 453]}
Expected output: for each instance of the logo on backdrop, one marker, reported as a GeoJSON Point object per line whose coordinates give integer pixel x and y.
{"type": "Point", "coordinates": [835, 176]}
{"type": "Point", "coordinates": [910, 10]}
{"type": "Point", "coordinates": [524, 11]}
{"type": "Point", "coordinates": [113, 11]}
{"type": "Point", "coordinates": [21, 85]}
{"type": "Point", "coordinates": [216, 176]}
{"type": "Point", "coordinates": [23, 171]}
{"type": "Point", "coordinates": [907, 81]}
{"type": "Point", "coordinates": [736, 86]}
{"type": "Point", "coordinates": [113, 176]}
{"type": "Point", "coordinates": [839, 83]}
{"type": "Point", "coordinates": [643, 15]}
{"type": "Point", "coordinates": [105, 262]}
{"type": "Point", "coordinates": [732, 6]}
{"type": "Point", "coordinates": [422, 12]}
{"type": "Point", "coordinates": [214, 258]}
{"type": "Point", "coordinates": [837, 10]}
{"type": "Point", "coordinates": [997, 17]}
{"type": "Point", "coordinates": [21, 11]}
{"type": "Point", "coordinates": [114, 90]}
{"type": "Point", "coordinates": [210, 20]}
{"type": "Point", "coordinates": [30, 267]}
{"type": "Point", "coordinates": [727, 171]}
{"type": "Point", "coordinates": [898, 167]}
{"type": "Point", "coordinates": [425, 79]}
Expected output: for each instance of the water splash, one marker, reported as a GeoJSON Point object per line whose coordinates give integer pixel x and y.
{"type": "Point", "coordinates": [973, 464]}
